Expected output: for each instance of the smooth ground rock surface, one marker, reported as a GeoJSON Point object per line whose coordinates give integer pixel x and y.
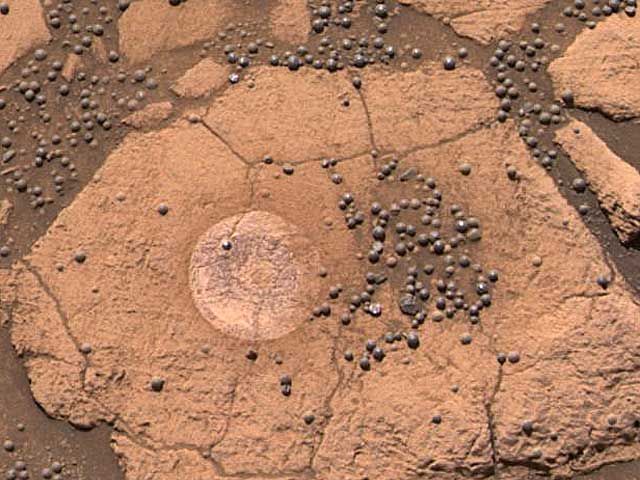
{"type": "Point", "coordinates": [21, 31]}
{"type": "Point", "coordinates": [149, 116]}
{"type": "Point", "coordinates": [252, 274]}
{"type": "Point", "coordinates": [481, 20]}
{"type": "Point", "coordinates": [291, 21]}
{"type": "Point", "coordinates": [149, 27]}
{"type": "Point", "coordinates": [404, 114]}
{"type": "Point", "coordinates": [600, 67]}
{"type": "Point", "coordinates": [321, 127]}
{"type": "Point", "coordinates": [614, 181]}
{"type": "Point", "coordinates": [201, 79]}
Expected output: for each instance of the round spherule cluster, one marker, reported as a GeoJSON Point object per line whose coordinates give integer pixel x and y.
{"type": "Point", "coordinates": [252, 276]}
{"type": "Point", "coordinates": [344, 34]}
{"type": "Point", "coordinates": [517, 62]}
{"type": "Point", "coordinates": [66, 101]}
{"type": "Point", "coordinates": [424, 250]}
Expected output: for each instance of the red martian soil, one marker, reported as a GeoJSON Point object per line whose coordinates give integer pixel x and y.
{"type": "Point", "coordinates": [196, 253]}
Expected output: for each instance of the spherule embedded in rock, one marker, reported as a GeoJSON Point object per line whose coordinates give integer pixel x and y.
{"type": "Point", "coordinates": [258, 289]}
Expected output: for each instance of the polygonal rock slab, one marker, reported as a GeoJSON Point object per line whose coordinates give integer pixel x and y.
{"type": "Point", "coordinates": [614, 181]}
{"type": "Point", "coordinates": [149, 116]}
{"type": "Point", "coordinates": [536, 311]}
{"type": "Point", "coordinates": [20, 31]}
{"type": "Point", "coordinates": [221, 414]}
{"type": "Point", "coordinates": [201, 79]}
{"type": "Point", "coordinates": [600, 67]}
{"type": "Point", "coordinates": [482, 20]}
{"type": "Point", "coordinates": [405, 114]}
{"type": "Point", "coordinates": [149, 27]}
{"type": "Point", "coordinates": [291, 21]}
{"type": "Point", "coordinates": [132, 303]}
{"type": "Point", "coordinates": [292, 117]}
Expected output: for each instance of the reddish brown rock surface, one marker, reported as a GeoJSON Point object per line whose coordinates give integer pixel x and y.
{"type": "Point", "coordinates": [615, 182]}
{"type": "Point", "coordinates": [149, 116]}
{"type": "Point", "coordinates": [405, 115]}
{"type": "Point", "coordinates": [201, 79]}
{"type": "Point", "coordinates": [291, 21]}
{"type": "Point", "coordinates": [21, 31]}
{"type": "Point", "coordinates": [252, 274]}
{"type": "Point", "coordinates": [5, 211]}
{"type": "Point", "coordinates": [220, 414]}
{"type": "Point", "coordinates": [321, 127]}
{"type": "Point", "coordinates": [483, 21]}
{"type": "Point", "coordinates": [150, 27]}
{"type": "Point", "coordinates": [601, 66]}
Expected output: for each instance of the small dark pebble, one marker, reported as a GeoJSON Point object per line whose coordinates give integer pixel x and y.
{"type": "Point", "coordinates": [157, 384]}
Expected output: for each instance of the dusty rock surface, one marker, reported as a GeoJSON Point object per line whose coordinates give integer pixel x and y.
{"type": "Point", "coordinates": [600, 66]}
{"type": "Point", "coordinates": [149, 27]}
{"type": "Point", "coordinates": [483, 21]}
{"type": "Point", "coordinates": [614, 181]}
{"type": "Point", "coordinates": [221, 414]}
{"type": "Point", "coordinates": [402, 114]}
{"type": "Point", "coordinates": [291, 21]}
{"type": "Point", "coordinates": [201, 79]}
{"type": "Point", "coordinates": [405, 115]}
{"type": "Point", "coordinates": [321, 127]}
{"type": "Point", "coordinates": [149, 116]}
{"type": "Point", "coordinates": [21, 31]}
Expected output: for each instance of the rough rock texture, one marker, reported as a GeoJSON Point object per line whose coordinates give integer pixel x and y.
{"type": "Point", "coordinates": [201, 79]}
{"type": "Point", "coordinates": [74, 63]}
{"type": "Point", "coordinates": [149, 27]}
{"type": "Point", "coordinates": [149, 116]}
{"type": "Point", "coordinates": [600, 67]}
{"type": "Point", "coordinates": [221, 414]}
{"type": "Point", "coordinates": [481, 20]}
{"type": "Point", "coordinates": [5, 211]}
{"type": "Point", "coordinates": [293, 118]}
{"type": "Point", "coordinates": [291, 21]}
{"type": "Point", "coordinates": [256, 287]}
{"type": "Point", "coordinates": [536, 311]}
{"type": "Point", "coordinates": [614, 181]}
{"type": "Point", "coordinates": [404, 114]}
{"type": "Point", "coordinates": [21, 31]}
{"type": "Point", "coordinates": [71, 66]}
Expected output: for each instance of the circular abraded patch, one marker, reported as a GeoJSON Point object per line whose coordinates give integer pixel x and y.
{"type": "Point", "coordinates": [261, 286]}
